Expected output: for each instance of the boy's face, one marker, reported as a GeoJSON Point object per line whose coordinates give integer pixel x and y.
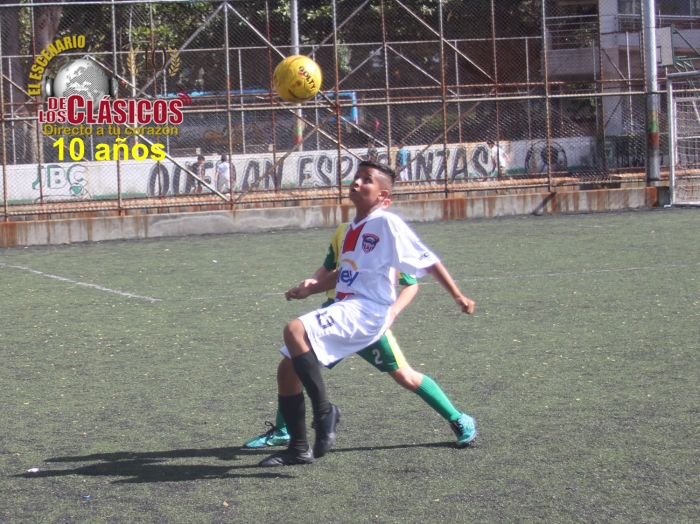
{"type": "Point", "coordinates": [367, 188]}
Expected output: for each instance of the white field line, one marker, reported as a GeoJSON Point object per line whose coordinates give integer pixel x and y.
{"type": "Point", "coordinates": [575, 273]}
{"type": "Point", "coordinates": [77, 283]}
{"type": "Point", "coordinates": [487, 279]}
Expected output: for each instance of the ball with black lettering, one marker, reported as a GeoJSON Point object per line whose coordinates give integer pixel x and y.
{"type": "Point", "coordinates": [297, 79]}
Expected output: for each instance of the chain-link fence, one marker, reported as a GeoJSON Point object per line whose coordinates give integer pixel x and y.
{"type": "Point", "coordinates": [458, 96]}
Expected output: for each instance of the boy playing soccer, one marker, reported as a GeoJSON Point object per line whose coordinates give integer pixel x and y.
{"type": "Point", "coordinates": [385, 355]}
{"type": "Point", "coordinates": [375, 246]}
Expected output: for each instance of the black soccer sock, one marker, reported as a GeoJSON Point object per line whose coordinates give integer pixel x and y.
{"type": "Point", "coordinates": [293, 410]}
{"type": "Point", "coordinates": [308, 370]}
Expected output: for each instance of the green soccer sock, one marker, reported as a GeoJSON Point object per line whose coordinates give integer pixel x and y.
{"type": "Point", "coordinates": [279, 421]}
{"type": "Point", "coordinates": [437, 399]}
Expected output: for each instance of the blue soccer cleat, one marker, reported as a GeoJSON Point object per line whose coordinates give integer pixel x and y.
{"type": "Point", "coordinates": [273, 437]}
{"type": "Point", "coordinates": [465, 429]}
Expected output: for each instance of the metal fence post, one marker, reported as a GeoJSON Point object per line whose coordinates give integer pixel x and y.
{"type": "Point", "coordinates": [338, 126]}
{"type": "Point", "coordinates": [443, 92]}
{"type": "Point", "coordinates": [3, 140]}
{"type": "Point", "coordinates": [601, 89]}
{"type": "Point", "coordinates": [386, 86]}
{"type": "Point", "coordinates": [120, 203]}
{"type": "Point", "coordinates": [671, 140]}
{"type": "Point", "coordinates": [546, 99]}
{"type": "Point", "coordinates": [231, 175]}
{"type": "Point", "coordinates": [652, 94]}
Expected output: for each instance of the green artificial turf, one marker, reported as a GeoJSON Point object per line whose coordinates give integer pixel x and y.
{"type": "Point", "coordinates": [580, 365]}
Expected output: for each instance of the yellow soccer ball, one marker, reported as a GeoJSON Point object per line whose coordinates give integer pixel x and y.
{"type": "Point", "coordinates": [297, 79]}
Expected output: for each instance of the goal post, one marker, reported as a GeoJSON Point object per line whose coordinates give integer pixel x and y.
{"type": "Point", "coordinates": [683, 105]}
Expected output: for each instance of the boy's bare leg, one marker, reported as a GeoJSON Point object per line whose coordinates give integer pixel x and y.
{"type": "Point", "coordinates": [407, 377]}
{"type": "Point", "coordinates": [288, 383]}
{"type": "Point", "coordinates": [291, 405]}
{"type": "Point", "coordinates": [305, 366]}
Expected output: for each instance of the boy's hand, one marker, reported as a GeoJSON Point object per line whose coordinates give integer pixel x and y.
{"type": "Point", "coordinates": [297, 293]}
{"type": "Point", "coordinates": [466, 304]}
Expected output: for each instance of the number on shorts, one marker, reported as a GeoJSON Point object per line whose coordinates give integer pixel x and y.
{"type": "Point", "coordinates": [377, 355]}
{"type": "Point", "coordinates": [324, 320]}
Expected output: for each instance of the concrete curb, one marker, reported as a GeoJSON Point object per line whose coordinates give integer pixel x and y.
{"type": "Point", "coordinates": [91, 229]}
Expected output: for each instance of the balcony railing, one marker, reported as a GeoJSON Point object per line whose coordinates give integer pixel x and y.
{"type": "Point", "coordinates": [627, 23]}
{"type": "Point", "coordinates": [566, 32]}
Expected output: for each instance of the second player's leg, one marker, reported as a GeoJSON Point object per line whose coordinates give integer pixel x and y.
{"type": "Point", "coordinates": [407, 377]}
{"type": "Point", "coordinates": [386, 356]}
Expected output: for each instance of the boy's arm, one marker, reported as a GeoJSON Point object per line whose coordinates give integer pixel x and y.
{"type": "Point", "coordinates": [441, 274]}
{"type": "Point", "coordinates": [406, 295]}
{"type": "Point", "coordinates": [311, 287]}
{"type": "Point", "coordinates": [320, 274]}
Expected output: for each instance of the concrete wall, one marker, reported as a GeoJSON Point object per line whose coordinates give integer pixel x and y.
{"type": "Point", "coordinates": [41, 232]}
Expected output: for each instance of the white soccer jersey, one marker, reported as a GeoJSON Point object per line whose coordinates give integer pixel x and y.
{"type": "Point", "coordinates": [373, 250]}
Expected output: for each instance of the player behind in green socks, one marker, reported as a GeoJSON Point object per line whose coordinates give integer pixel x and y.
{"type": "Point", "coordinates": [385, 355]}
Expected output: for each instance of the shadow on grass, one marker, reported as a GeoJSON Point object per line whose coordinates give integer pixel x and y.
{"type": "Point", "coordinates": [151, 466]}
{"type": "Point", "coordinates": [229, 453]}
{"type": "Point", "coordinates": [398, 446]}
{"type": "Point", "coordinates": [144, 470]}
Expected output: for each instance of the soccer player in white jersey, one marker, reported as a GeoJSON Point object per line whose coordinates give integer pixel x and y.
{"type": "Point", "coordinates": [376, 245]}
{"type": "Point", "coordinates": [385, 355]}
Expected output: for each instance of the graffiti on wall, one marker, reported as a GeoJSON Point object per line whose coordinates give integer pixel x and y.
{"type": "Point", "coordinates": [60, 181]}
{"type": "Point", "coordinates": [539, 158]}
{"type": "Point", "coordinates": [472, 162]}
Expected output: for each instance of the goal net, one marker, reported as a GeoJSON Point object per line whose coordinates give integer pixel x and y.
{"type": "Point", "coordinates": [684, 139]}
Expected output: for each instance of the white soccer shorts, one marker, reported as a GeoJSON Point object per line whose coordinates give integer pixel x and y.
{"type": "Point", "coordinates": [344, 328]}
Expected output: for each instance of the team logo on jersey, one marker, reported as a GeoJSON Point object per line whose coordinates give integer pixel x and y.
{"type": "Point", "coordinates": [369, 242]}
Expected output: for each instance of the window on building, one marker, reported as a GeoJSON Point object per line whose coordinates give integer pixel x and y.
{"type": "Point", "coordinates": [694, 7]}
{"type": "Point", "coordinates": [629, 7]}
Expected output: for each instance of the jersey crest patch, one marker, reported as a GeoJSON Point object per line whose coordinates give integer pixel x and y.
{"type": "Point", "coordinates": [369, 242]}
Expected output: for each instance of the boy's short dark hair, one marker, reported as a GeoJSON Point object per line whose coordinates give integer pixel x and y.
{"type": "Point", "coordinates": [200, 157]}
{"type": "Point", "coordinates": [379, 167]}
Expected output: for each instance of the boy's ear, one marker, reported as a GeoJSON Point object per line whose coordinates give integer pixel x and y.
{"type": "Point", "coordinates": [384, 194]}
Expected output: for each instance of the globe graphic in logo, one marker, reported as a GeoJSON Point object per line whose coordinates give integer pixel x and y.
{"type": "Point", "coordinates": [82, 77]}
